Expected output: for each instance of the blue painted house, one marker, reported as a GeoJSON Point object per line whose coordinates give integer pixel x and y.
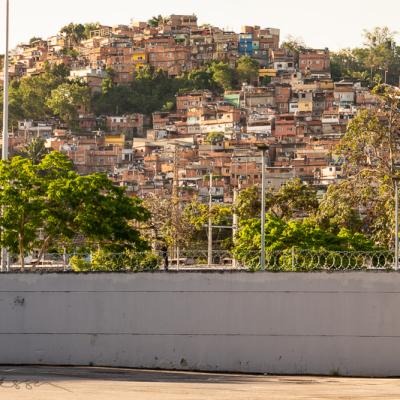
{"type": "Point", "coordinates": [246, 47]}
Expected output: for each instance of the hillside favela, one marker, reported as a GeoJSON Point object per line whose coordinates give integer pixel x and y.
{"type": "Point", "coordinates": [183, 116]}
{"type": "Point", "coordinates": [194, 211]}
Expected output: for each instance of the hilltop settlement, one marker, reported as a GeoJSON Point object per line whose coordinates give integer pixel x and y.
{"type": "Point", "coordinates": [162, 104]}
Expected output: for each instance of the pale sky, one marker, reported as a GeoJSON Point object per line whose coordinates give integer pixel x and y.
{"type": "Point", "coordinates": [334, 24]}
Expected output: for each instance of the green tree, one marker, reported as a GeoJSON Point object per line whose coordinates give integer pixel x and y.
{"type": "Point", "coordinates": [92, 207]}
{"type": "Point", "coordinates": [129, 260]}
{"type": "Point", "coordinates": [75, 33]}
{"type": "Point", "coordinates": [380, 42]}
{"type": "Point", "coordinates": [265, 80]}
{"type": "Point", "coordinates": [223, 75]}
{"type": "Point", "coordinates": [248, 70]}
{"type": "Point", "coordinates": [48, 203]}
{"type": "Point", "coordinates": [29, 95]}
{"type": "Point", "coordinates": [21, 199]}
{"type": "Point", "coordinates": [248, 204]}
{"type": "Point", "coordinates": [73, 53]}
{"type": "Point", "coordinates": [166, 225]}
{"type": "Point", "coordinates": [215, 137]}
{"type": "Point", "coordinates": [370, 150]}
{"type": "Point", "coordinates": [294, 46]}
{"type": "Point", "coordinates": [156, 21]}
{"type": "Point", "coordinates": [283, 236]}
{"type": "Point", "coordinates": [89, 27]}
{"type": "Point", "coordinates": [149, 92]}
{"type": "Point", "coordinates": [184, 226]}
{"type": "Point", "coordinates": [201, 79]}
{"type": "Point", "coordinates": [293, 199]}
{"type": "Point", "coordinates": [152, 89]}
{"type": "Point", "coordinates": [67, 99]}
{"type": "Point", "coordinates": [380, 54]}
{"type": "Point", "coordinates": [350, 63]}
{"type": "Point", "coordinates": [108, 83]}
{"type": "Point", "coordinates": [197, 214]}
{"type": "Point", "coordinates": [168, 106]}
{"type": "Point", "coordinates": [35, 150]}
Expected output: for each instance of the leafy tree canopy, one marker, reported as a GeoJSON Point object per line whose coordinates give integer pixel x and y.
{"type": "Point", "coordinates": [156, 21]}
{"type": "Point", "coordinates": [283, 236]}
{"type": "Point", "coordinates": [66, 100]}
{"type": "Point", "coordinates": [294, 199]}
{"type": "Point", "coordinates": [29, 95]}
{"type": "Point", "coordinates": [364, 200]}
{"type": "Point", "coordinates": [46, 204]}
{"type": "Point", "coordinates": [215, 137]}
{"type": "Point", "coordinates": [381, 53]}
{"type": "Point", "coordinates": [248, 70]}
{"type": "Point", "coordinates": [35, 150]}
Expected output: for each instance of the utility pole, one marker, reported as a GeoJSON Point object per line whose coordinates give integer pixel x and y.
{"type": "Point", "coordinates": [175, 202]}
{"type": "Point", "coordinates": [4, 253]}
{"type": "Point", "coordinates": [263, 212]}
{"type": "Point", "coordinates": [235, 227]}
{"type": "Point", "coordinates": [263, 147]}
{"type": "Point", "coordinates": [210, 230]}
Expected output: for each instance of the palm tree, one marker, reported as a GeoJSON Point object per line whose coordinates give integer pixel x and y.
{"type": "Point", "coordinates": [156, 21]}
{"type": "Point", "coordinates": [35, 150]}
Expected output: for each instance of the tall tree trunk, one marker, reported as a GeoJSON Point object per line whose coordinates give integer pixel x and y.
{"type": "Point", "coordinates": [42, 250]}
{"type": "Point", "coordinates": [21, 251]}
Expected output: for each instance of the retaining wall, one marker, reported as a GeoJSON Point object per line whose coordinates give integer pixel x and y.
{"type": "Point", "coordinates": [278, 323]}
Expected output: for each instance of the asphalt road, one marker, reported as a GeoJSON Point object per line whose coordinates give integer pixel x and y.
{"type": "Point", "coordinates": [78, 383]}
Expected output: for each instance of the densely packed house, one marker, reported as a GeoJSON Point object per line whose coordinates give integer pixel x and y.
{"type": "Point", "coordinates": [299, 111]}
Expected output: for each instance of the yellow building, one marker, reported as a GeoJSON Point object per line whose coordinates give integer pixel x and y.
{"type": "Point", "coordinates": [139, 59]}
{"type": "Point", "coordinates": [305, 106]}
{"type": "Point", "coordinates": [326, 84]}
{"type": "Point", "coordinates": [266, 72]}
{"type": "Point", "coordinates": [115, 140]}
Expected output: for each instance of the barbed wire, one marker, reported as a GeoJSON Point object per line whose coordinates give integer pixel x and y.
{"type": "Point", "coordinates": [295, 260]}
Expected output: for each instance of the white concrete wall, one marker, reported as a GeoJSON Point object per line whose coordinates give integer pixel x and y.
{"type": "Point", "coordinates": [281, 323]}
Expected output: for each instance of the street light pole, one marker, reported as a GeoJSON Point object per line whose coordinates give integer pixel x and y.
{"type": "Point", "coordinates": [263, 147]}
{"type": "Point", "coordinates": [5, 92]}
{"type": "Point", "coordinates": [4, 254]}
{"type": "Point", "coordinates": [210, 230]}
{"type": "Point", "coordinates": [263, 212]}
{"type": "Point", "coordinates": [235, 222]}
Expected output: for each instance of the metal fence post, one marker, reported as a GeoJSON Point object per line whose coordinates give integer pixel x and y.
{"type": "Point", "coordinates": [293, 260]}
{"type": "Point", "coordinates": [65, 258]}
